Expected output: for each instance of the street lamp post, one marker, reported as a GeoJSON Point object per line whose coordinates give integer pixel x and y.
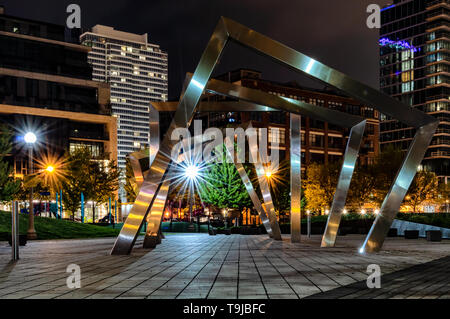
{"type": "Point", "coordinates": [308, 219]}
{"type": "Point", "coordinates": [30, 139]}
{"type": "Point", "coordinates": [191, 172]}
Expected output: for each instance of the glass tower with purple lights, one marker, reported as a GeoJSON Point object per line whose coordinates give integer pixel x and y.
{"type": "Point", "coordinates": [414, 68]}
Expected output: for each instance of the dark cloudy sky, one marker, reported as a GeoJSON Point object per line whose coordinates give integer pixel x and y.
{"type": "Point", "coordinates": [331, 31]}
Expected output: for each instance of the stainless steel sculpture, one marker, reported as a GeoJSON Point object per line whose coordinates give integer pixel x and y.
{"type": "Point", "coordinates": [273, 102]}
{"type": "Point", "coordinates": [229, 30]}
{"type": "Point", "coordinates": [296, 173]}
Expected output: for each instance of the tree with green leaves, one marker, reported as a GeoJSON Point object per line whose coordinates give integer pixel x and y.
{"type": "Point", "coordinates": [77, 180]}
{"type": "Point", "coordinates": [96, 178]}
{"type": "Point", "coordinates": [9, 186]}
{"type": "Point", "coordinates": [223, 187]}
{"type": "Point", "coordinates": [423, 187]}
{"type": "Point", "coordinates": [104, 182]}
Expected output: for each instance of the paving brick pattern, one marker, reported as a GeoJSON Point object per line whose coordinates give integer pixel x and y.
{"type": "Point", "coordinates": [197, 266]}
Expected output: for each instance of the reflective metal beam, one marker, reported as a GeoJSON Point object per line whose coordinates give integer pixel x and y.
{"type": "Point", "coordinates": [154, 133]}
{"type": "Point", "coordinates": [182, 118]}
{"type": "Point", "coordinates": [264, 185]}
{"type": "Point", "coordinates": [392, 201]}
{"type": "Point", "coordinates": [295, 159]}
{"type": "Point", "coordinates": [155, 217]}
{"type": "Point", "coordinates": [139, 169]}
{"type": "Point", "coordinates": [282, 103]}
{"type": "Point", "coordinates": [345, 178]}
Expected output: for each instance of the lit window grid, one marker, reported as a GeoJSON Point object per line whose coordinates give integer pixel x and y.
{"type": "Point", "coordinates": [132, 96]}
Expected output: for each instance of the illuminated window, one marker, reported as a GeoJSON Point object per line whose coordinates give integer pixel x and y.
{"type": "Point", "coordinates": [277, 135]}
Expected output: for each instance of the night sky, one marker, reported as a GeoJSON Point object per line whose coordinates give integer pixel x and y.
{"type": "Point", "coordinates": [331, 31]}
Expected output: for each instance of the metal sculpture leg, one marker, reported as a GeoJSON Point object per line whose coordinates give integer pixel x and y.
{"type": "Point", "coordinates": [152, 236]}
{"type": "Point", "coordinates": [154, 133]}
{"type": "Point", "coordinates": [392, 201]}
{"type": "Point", "coordinates": [295, 158]}
{"type": "Point", "coordinates": [345, 177]}
{"type": "Point", "coordinates": [251, 191]}
{"type": "Point", "coordinates": [265, 191]}
{"type": "Point", "coordinates": [139, 171]}
{"type": "Point", "coordinates": [183, 116]}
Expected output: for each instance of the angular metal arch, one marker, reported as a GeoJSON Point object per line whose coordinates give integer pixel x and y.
{"type": "Point", "coordinates": [230, 30]}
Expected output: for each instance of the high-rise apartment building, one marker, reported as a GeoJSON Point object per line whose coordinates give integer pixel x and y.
{"type": "Point", "coordinates": [414, 58]}
{"type": "Point", "coordinates": [137, 73]}
{"type": "Point", "coordinates": [46, 88]}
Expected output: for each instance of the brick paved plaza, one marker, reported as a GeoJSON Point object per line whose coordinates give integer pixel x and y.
{"type": "Point", "coordinates": [236, 266]}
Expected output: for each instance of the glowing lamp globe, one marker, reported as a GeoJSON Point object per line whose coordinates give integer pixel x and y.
{"type": "Point", "coordinates": [30, 138]}
{"type": "Point", "coordinates": [191, 171]}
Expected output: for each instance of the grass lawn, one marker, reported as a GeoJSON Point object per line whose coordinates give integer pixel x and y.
{"type": "Point", "coordinates": [47, 228]}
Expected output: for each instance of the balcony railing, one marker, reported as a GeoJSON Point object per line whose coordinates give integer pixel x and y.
{"type": "Point", "coordinates": [440, 153]}
{"type": "Point", "coordinates": [442, 131]}
{"type": "Point", "coordinates": [438, 97]}
{"type": "Point", "coordinates": [433, 3]}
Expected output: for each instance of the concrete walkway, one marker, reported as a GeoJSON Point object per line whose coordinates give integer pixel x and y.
{"type": "Point", "coordinates": [236, 266]}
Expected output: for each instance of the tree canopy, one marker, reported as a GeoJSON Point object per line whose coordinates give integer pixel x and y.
{"type": "Point", "coordinates": [9, 186]}
{"type": "Point", "coordinates": [223, 187]}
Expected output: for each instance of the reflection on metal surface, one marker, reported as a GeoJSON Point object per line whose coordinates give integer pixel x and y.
{"type": "Point", "coordinates": [154, 133]}
{"type": "Point", "coordinates": [139, 170]}
{"type": "Point", "coordinates": [229, 30]}
{"type": "Point", "coordinates": [345, 177]}
{"type": "Point", "coordinates": [264, 185]}
{"type": "Point", "coordinates": [155, 217]}
{"type": "Point", "coordinates": [295, 158]}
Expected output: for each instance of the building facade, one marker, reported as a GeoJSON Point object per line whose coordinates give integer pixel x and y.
{"type": "Point", "coordinates": [137, 72]}
{"type": "Point", "coordinates": [414, 68]}
{"type": "Point", "coordinates": [46, 87]}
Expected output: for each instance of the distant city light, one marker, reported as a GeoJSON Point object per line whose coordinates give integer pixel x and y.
{"type": "Point", "coordinates": [363, 212]}
{"type": "Point", "coordinates": [344, 212]}
{"type": "Point", "coordinates": [30, 138]}
{"type": "Point", "coordinates": [377, 211]}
